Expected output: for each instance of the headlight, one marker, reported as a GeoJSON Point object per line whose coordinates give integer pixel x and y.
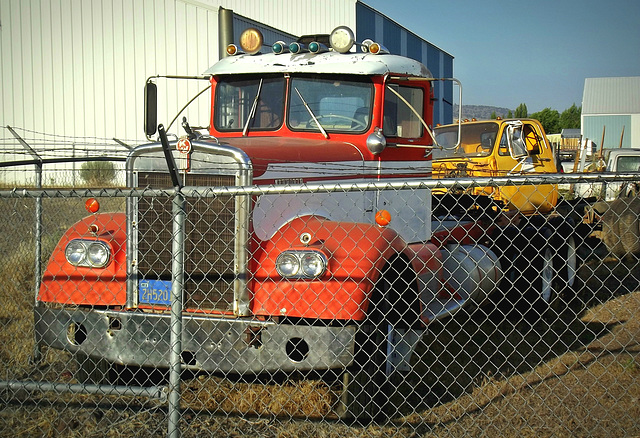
{"type": "Point", "coordinates": [88, 253]}
{"type": "Point", "coordinates": [288, 265]}
{"type": "Point", "coordinates": [306, 264]}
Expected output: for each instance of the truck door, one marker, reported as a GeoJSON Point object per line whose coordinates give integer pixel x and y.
{"type": "Point", "coordinates": [523, 151]}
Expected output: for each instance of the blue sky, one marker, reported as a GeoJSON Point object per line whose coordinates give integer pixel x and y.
{"type": "Point", "coordinates": [524, 51]}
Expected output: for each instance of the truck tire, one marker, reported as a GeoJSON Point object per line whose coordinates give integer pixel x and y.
{"type": "Point", "coordinates": [540, 296]}
{"type": "Point", "coordinates": [565, 260]}
{"type": "Point", "coordinates": [536, 294]}
{"type": "Point", "coordinates": [504, 243]}
{"type": "Point", "coordinates": [367, 389]}
{"type": "Point", "coordinates": [365, 393]}
{"type": "Point", "coordinates": [525, 291]}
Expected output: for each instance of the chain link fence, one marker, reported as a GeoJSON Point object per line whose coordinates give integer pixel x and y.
{"type": "Point", "coordinates": [209, 311]}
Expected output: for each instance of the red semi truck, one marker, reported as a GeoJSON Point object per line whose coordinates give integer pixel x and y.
{"type": "Point", "coordinates": [343, 281]}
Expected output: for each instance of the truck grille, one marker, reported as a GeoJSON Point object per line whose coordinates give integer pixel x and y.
{"type": "Point", "coordinates": [209, 240]}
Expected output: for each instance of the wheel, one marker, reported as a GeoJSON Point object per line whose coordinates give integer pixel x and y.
{"type": "Point", "coordinates": [367, 389]}
{"type": "Point", "coordinates": [505, 244]}
{"type": "Point", "coordinates": [536, 283]}
{"type": "Point", "coordinates": [364, 395]}
{"type": "Point", "coordinates": [539, 297]}
{"type": "Point", "coordinates": [526, 289]}
{"type": "Point", "coordinates": [565, 261]}
{"type": "Point", "coordinates": [621, 227]}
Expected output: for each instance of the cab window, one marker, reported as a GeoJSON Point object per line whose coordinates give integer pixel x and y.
{"type": "Point", "coordinates": [253, 104]}
{"type": "Point", "coordinates": [399, 119]}
{"type": "Point", "coordinates": [335, 104]}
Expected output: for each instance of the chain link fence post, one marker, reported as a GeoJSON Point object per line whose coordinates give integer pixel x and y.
{"type": "Point", "coordinates": [177, 269]}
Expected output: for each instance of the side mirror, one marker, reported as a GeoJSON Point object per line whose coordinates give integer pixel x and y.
{"type": "Point", "coordinates": [376, 142]}
{"type": "Point", "coordinates": [150, 108]}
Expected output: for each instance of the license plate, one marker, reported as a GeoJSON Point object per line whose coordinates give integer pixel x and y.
{"type": "Point", "coordinates": [155, 292]}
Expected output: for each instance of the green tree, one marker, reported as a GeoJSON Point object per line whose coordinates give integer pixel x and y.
{"type": "Point", "coordinates": [98, 173]}
{"type": "Point", "coordinates": [550, 120]}
{"type": "Point", "coordinates": [493, 115]}
{"type": "Point", "coordinates": [521, 111]}
{"type": "Point", "coordinates": [509, 115]}
{"type": "Point", "coordinates": [570, 118]}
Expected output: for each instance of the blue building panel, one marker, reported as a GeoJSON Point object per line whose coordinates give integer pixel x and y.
{"type": "Point", "coordinates": [414, 47]}
{"type": "Point", "coordinates": [447, 72]}
{"type": "Point", "coordinates": [392, 39]}
{"type": "Point", "coordinates": [365, 22]}
{"type": "Point", "coordinates": [400, 41]}
{"type": "Point", "coordinates": [612, 125]}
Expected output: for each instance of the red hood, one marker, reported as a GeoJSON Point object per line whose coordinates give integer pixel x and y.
{"type": "Point", "coordinates": [276, 152]}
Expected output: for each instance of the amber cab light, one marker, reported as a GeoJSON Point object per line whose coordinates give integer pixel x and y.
{"type": "Point", "coordinates": [92, 205]}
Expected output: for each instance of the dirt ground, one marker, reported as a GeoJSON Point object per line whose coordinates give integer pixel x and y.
{"type": "Point", "coordinates": [574, 373]}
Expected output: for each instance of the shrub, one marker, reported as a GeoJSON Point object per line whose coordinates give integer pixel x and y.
{"type": "Point", "coordinates": [98, 173]}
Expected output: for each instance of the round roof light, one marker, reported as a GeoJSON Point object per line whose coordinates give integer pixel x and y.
{"type": "Point", "coordinates": [232, 49]}
{"type": "Point", "coordinates": [251, 41]}
{"type": "Point", "coordinates": [296, 48]}
{"type": "Point", "coordinates": [316, 47]}
{"type": "Point", "coordinates": [365, 45]}
{"type": "Point", "coordinates": [378, 49]}
{"type": "Point", "coordinates": [342, 39]}
{"type": "Point", "coordinates": [279, 47]}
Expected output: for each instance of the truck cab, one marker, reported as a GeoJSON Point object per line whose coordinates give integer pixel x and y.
{"type": "Point", "coordinates": [499, 148]}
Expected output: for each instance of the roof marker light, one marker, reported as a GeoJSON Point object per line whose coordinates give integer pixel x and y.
{"type": "Point", "coordinates": [316, 47]}
{"type": "Point", "coordinates": [342, 39]}
{"type": "Point", "coordinates": [378, 49]}
{"type": "Point", "coordinates": [251, 41]}
{"type": "Point", "coordinates": [364, 46]}
{"type": "Point", "coordinates": [297, 48]}
{"type": "Point", "coordinates": [280, 47]}
{"type": "Point", "coordinates": [232, 50]}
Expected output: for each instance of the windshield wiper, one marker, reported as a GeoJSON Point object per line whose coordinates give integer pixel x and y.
{"type": "Point", "coordinates": [252, 113]}
{"type": "Point", "coordinates": [304, 102]}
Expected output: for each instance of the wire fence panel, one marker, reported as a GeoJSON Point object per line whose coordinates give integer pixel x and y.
{"type": "Point", "coordinates": [365, 309]}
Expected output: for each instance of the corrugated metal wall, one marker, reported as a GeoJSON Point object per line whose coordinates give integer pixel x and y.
{"type": "Point", "coordinates": [78, 68]}
{"type": "Point", "coordinates": [612, 104]}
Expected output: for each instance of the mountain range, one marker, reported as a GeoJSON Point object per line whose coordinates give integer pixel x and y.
{"type": "Point", "coordinates": [480, 112]}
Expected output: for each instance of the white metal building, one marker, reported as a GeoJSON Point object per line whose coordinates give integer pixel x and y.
{"type": "Point", "coordinates": [77, 68]}
{"type": "Point", "coordinates": [612, 106]}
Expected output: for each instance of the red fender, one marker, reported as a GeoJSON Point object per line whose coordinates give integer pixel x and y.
{"type": "Point", "coordinates": [67, 284]}
{"type": "Point", "coordinates": [356, 255]}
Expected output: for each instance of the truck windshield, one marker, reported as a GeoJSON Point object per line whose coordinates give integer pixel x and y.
{"type": "Point", "coordinates": [253, 104]}
{"type": "Point", "coordinates": [477, 140]}
{"type": "Point", "coordinates": [337, 104]}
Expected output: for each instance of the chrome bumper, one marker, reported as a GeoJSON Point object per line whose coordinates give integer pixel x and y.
{"type": "Point", "coordinates": [214, 344]}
